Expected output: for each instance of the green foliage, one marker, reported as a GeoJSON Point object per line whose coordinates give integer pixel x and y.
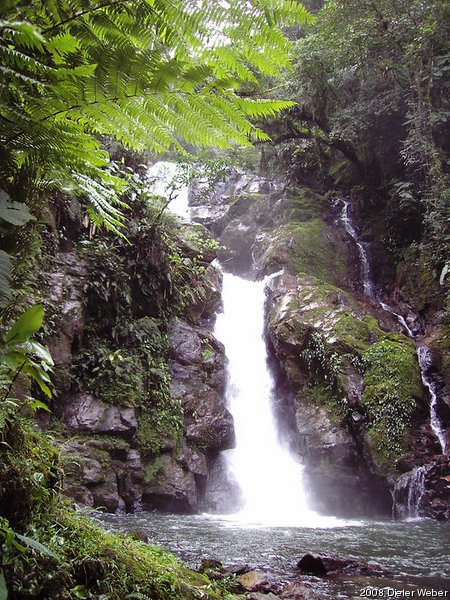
{"type": "Point", "coordinates": [20, 354]}
{"type": "Point", "coordinates": [115, 376]}
{"type": "Point", "coordinates": [150, 75]}
{"type": "Point", "coordinates": [322, 363]}
{"type": "Point", "coordinates": [152, 470]}
{"type": "Point", "coordinates": [392, 389]}
{"type": "Point", "coordinates": [84, 561]}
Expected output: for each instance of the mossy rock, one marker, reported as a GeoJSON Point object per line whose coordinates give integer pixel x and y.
{"type": "Point", "coordinates": [393, 390]}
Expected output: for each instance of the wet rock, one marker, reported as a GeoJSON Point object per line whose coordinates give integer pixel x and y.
{"type": "Point", "coordinates": [238, 569]}
{"type": "Point", "coordinates": [320, 565]}
{"type": "Point", "coordinates": [253, 581]}
{"type": "Point", "coordinates": [262, 596]}
{"type": "Point", "coordinates": [298, 591]}
{"type": "Point", "coordinates": [106, 493]}
{"type": "Point", "coordinates": [66, 292]}
{"type": "Point", "coordinates": [425, 491]}
{"type": "Point", "coordinates": [221, 494]}
{"type": "Point", "coordinates": [209, 425]}
{"type": "Point", "coordinates": [173, 489]}
{"type": "Point", "coordinates": [84, 412]}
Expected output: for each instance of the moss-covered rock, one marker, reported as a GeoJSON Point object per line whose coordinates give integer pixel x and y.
{"type": "Point", "coordinates": [391, 395]}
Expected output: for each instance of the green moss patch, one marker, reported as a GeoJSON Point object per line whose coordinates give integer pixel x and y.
{"type": "Point", "coordinates": [392, 389]}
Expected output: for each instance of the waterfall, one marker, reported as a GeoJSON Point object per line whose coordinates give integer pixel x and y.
{"type": "Point", "coordinates": [269, 477]}
{"type": "Point", "coordinates": [423, 352]}
{"type": "Point", "coordinates": [408, 493]}
{"type": "Point", "coordinates": [424, 356]}
{"type": "Point", "coordinates": [363, 258]}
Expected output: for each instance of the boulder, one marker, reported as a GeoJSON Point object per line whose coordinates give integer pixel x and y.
{"type": "Point", "coordinates": [172, 489]}
{"type": "Point", "coordinates": [321, 564]}
{"type": "Point", "coordinates": [253, 581]}
{"type": "Point", "coordinates": [84, 412]}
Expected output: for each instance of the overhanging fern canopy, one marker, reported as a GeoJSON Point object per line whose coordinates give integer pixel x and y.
{"type": "Point", "coordinates": [152, 73]}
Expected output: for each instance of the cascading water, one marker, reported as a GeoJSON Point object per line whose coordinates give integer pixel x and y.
{"type": "Point", "coordinates": [424, 355]}
{"type": "Point", "coordinates": [416, 479]}
{"type": "Point", "coordinates": [363, 259]}
{"type": "Point", "coordinates": [269, 477]}
{"type": "Point", "coordinates": [408, 493]}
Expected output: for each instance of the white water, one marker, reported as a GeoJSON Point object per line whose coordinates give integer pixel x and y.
{"type": "Point", "coordinates": [165, 184]}
{"type": "Point", "coordinates": [269, 476]}
{"type": "Point", "coordinates": [423, 352]}
{"type": "Point", "coordinates": [424, 356]}
{"type": "Point", "coordinates": [364, 261]}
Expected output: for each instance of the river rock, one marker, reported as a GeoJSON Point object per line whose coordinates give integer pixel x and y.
{"type": "Point", "coordinates": [298, 591]}
{"type": "Point", "coordinates": [253, 581]}
{"type": "Point", "coordinates": [320, 565]}
{"type": "Point", "coordinates": [261, 596]}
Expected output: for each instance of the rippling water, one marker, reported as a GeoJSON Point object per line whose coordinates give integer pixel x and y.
{"type": "Point", "coordinates": [417, 553]}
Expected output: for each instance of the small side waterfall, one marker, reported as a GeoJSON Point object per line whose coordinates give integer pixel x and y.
{"type": "Point", "coordinates": [413, 482]}
{"type": "Point", "coordinates": [363, 258]}
{"type": "Point", "coordinates": [408, 493]}
{"type": "Point", "coordinates": [424, 356]}
{"type": "Point", "coordinates": [423, 352]}
{"type": "Point", "coordinates": [269, 477]}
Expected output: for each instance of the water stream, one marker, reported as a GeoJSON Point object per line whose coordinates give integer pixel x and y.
{"type": "Point", "coordinates": [423, 352]}
{"type": "Point", "coordinates": [275, 526]}
{"type": "Point", "coordinates": [269, 476]}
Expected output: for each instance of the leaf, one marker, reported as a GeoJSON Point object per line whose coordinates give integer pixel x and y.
{"type": "Point", "coordinates": [42, 352]}
{"type": "Point", "coordinates": [3, 588]}
{"type": "Point", "coordinates": [15, 213]}
{"type": "Point", "coordinates": [35, 545]}
{"type": "Point", "coordinates": [37, 405]}
{"type": "Point", "coordinates": [13, 359]}
{"type": "Point", "coordinates": [5, 276]}
{"type": "Point", "coordinates": [26, 325]}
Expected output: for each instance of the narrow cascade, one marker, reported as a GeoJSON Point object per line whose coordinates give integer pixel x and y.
{"type": "Point", "coordinates": [363, 259]}
{"type": "Point", "coordinates": [424, 355]}
{"type": "Point", "coordinates": [408, 493]}
{"type": "Point", "coordinates": [423, 352]}
{"type": "Point", "coordinates": [269, 477]}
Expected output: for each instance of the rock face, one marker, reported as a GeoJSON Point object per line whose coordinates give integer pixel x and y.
{"type": "Point", "coordinates": [105, 464]}
{"type": "Point", "coordinates": [84, 413]}
{"type": "Point", "coordinates": [348, 385]}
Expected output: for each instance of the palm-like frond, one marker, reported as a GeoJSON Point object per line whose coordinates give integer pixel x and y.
{"type": "Point", "coordinates": [151, 73]}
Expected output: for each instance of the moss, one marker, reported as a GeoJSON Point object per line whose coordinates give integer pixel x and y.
{"type": "Point", "coordinates": [92, 564]}
{"type": "Point", "coordinates": [442, 345]}
{"type": "Point", "coordinates": [153, 469]}
{"type": "Point", "coordinates": [306, 246]}
{"type": "Point", "coordinates": [158, 422]}
{"type": "Point", "coordinates": [418, 281]}
{"type": "Point", "coordinates": [323, 395]}
{"type": "Point", "coordinates": [66, 555]}
{"type": "Point", "coordinates": [30, 469]}
{"type": "Point", "coordinates": [393, 386]}
{"type": "Point", "coordinates": [356, 334]}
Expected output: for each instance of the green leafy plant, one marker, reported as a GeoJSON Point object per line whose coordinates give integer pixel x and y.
{"type": "Point", "coordinates": [21, 354]}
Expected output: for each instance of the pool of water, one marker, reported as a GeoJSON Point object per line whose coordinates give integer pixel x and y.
{"type": "Point", "coordinates": [416, 554]}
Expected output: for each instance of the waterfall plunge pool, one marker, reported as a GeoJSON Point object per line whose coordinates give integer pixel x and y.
{"type": "Point", "coordinates": [416, 552]}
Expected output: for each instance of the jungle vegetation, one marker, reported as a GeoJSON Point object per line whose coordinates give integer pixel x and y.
{"type": "Point", "coordinates": [85, 88]}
